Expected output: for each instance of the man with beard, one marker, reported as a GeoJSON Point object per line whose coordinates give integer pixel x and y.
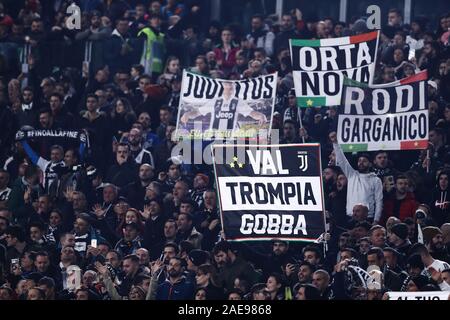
{"type": "Point", "coordinates": [434, 242]}
{"type": "Point", "coordinates": [200, 184]}
{"type": "Point", "coordinates": [28, 111]}
{"type": "Point", "coordinates": [278, 259]}
{"type": "Point", "coordinates": [124, 171]}
{"type": "Point", "coordinates": [83, 234]}
{"type": "Point", "coordinates": [401, 204]}
{"type": "Point", "coordinates": [287, 31]}
{"type": "Point", "coordinates": [231, 266]}
{"type": "Point", "coordinates": [363, 186]}
{"type": "Point", "coordinates": [383, 169]}
{"type": "Point", "coordinates": [260, 37]}
{"type": "Point", "coordinates": [150, 139]}
{"type": "Point", "coordinates": [138, 153]}
{"type": "Point", "coordinates": [175, 287]}
{"type": "Point", "coordinates": [135, 191]}
{"type": "Point", "coordinates": [330, 174]}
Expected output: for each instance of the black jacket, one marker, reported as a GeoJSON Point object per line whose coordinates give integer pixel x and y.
{"type": "Point", "coordinates": [153, 235]}
{"type": "Point", "coordinates": [121, 175]}
{"type": "Point", "coordinates": [135, 193]}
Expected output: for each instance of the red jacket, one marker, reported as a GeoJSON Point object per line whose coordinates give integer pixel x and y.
{"type": "Point", "coordinates": [407, 207]}
{"type": "Point", "coordinates": [228, 60]}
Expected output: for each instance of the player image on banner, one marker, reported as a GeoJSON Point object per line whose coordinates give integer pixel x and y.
{"type": "Point", "coordinates": [391, 116]}
{"type": "Point", "coordinates": [319, 66]}
{"type": "Point", "coordinates": [221, 109]}
{"type": "Point", "coordinates": [270, 191]}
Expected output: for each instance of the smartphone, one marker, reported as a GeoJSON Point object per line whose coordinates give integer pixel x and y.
{"type": "Point", "coordinates": [15, 264]}
{"type": "Point", "coordinates": [94, 243]}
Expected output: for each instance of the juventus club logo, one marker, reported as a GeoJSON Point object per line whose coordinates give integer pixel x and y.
{"type": "Point", "coordinates": [303, 160]}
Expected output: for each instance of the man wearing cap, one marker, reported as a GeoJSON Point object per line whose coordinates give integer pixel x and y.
{"type": "Point", "coordinates": [398, 238]}
{"type": "Point", "coordinates": [131, 240]}
{"type": "Point", "coordinates": [195, 259]}
{"type": "Point", "coordinates": [363, 186]}
{"type": "Point", "coordinates": [434, 241]}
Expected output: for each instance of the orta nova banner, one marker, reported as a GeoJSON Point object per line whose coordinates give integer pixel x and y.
{"type": "Point", "coordinates": [319, 66]}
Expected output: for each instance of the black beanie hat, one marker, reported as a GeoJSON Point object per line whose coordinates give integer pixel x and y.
{"type": "Point", "coordinates": [400, 230]}
{"type": "Point", "coordinates": [198, 257]}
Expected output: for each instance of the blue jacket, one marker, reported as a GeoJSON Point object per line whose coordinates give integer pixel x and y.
{"type": "Point", "coordinates": [182, 290]}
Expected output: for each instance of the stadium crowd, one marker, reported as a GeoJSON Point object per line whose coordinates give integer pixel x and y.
{"type": "Point", "coordinates": [118, 209]}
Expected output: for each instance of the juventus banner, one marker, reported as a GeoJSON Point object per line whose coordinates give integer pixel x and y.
{"type": "Point", "coordinates": [319, 66]}
{"type": "Point", "coordinates": [270, 191]}
{"type": "Point", "coordinates": [391, 116]}
{"type": "Point", "coordinates": [220, 109]}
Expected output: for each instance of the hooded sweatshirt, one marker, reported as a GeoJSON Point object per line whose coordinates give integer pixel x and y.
{"type": "Point", "coordinates": [365, 188]}
{"type": "Point", "coordinates": [440, 203]}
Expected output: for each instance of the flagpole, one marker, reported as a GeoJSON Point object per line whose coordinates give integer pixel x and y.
{"type": "Point", "coordinates": [299, 113]}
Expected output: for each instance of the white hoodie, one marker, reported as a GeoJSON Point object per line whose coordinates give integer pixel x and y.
{"type": "Point", "coordinates": [365, 188]}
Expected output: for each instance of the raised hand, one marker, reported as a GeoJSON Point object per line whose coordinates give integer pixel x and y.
{"type": "Point", "coordinates": [155, 266]}
{"type": "Point", "coordinates": [99, 211]}
{"type": "Point", "coordinates": [146, 212]}
{"type": "Point", "coordinates": [103, 270]}
{"type": "Point", "coordinates": [27, 195]}
{"type": "Point", "coordinates": [68, 194]}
